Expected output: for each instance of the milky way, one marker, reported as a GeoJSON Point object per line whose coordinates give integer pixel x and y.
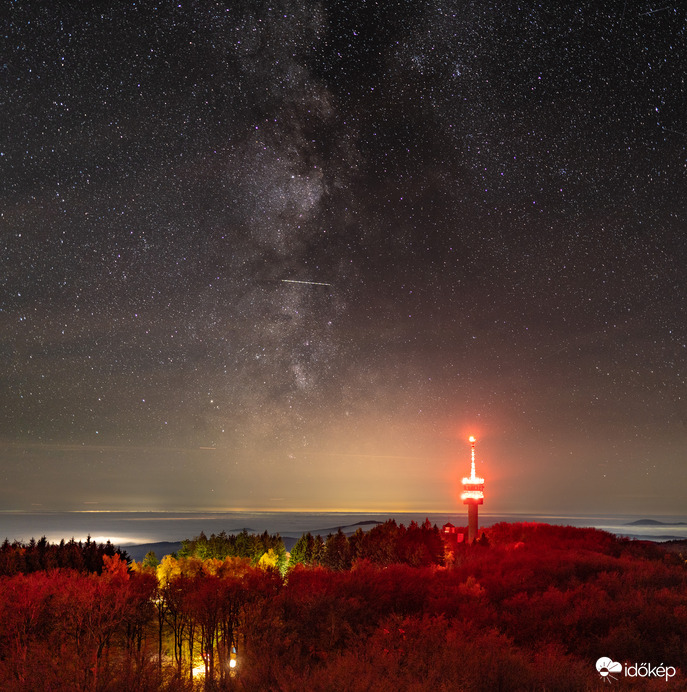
{"type": "Point", "coordinates": [289, 255]}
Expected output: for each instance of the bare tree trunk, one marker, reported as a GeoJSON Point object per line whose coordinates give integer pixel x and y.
{"type": "Point", "coordinates": [160, 622]}
{"type": "Point", "coordinates": [191, 635]}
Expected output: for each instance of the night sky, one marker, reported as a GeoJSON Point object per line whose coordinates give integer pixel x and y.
{"type": "Point", "coordinates": [290, 255]}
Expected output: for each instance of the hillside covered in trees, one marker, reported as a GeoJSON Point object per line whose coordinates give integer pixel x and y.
{"type": "Point", "coordinates": [528, 607]}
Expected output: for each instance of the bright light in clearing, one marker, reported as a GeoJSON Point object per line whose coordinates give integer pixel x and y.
{"type": "Point", "coordinates": [472, 438]}
{"type": "Point", "coordinates": [232, 663]}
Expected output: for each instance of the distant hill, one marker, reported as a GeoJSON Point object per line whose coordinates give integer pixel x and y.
{"type": "Point", "coordinates": [654, 522]}
{"type": "Point", "coordinates": [349, 528]}
{"type": "Point", "coordinates": [346, 528]}
{"type": "Point", "coordinates": [139, 551]}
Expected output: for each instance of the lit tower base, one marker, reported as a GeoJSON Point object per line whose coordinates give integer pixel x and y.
{"type": "Point", "coordinates": [472, 495]}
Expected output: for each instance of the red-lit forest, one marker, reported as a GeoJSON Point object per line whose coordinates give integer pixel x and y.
{"type": "Point", "coordinates": [527, 607]}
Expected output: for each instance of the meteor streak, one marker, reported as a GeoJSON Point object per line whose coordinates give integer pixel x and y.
{"type": "Point", "coordinates": [310, 283]}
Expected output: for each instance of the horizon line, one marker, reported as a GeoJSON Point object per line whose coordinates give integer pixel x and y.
{"type": "Point", "coordinates": [243, 510]}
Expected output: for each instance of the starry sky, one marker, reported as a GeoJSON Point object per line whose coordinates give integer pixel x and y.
{"type": "Point", "coordinates": [289, 255]}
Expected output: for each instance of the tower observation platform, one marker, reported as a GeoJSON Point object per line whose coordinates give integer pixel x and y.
{"type": "Point", "coordinates": [472, 495]}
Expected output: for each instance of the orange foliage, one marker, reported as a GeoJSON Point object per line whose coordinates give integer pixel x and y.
{"type": "Point", "coordinates": [533, 609]}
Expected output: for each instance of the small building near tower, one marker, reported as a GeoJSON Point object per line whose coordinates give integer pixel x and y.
{"type": "Point", "coordinates": [452, 533]}
{"type": "Point", "coordinates": [448, 527]}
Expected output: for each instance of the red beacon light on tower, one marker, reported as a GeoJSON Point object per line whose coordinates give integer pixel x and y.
{"type": "Point", "coordinates": [472, 495]}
